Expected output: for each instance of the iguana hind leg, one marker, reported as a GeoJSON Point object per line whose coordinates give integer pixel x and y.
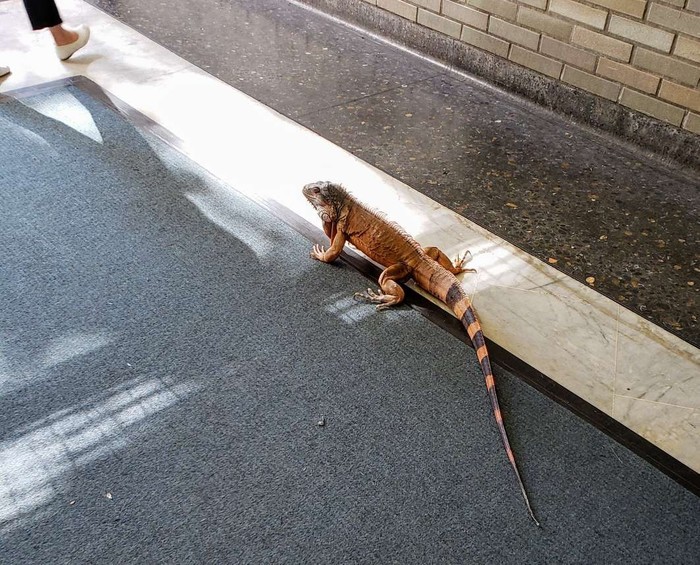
{"type": "Point", "coordinates": [454, 268]}
{"type": "Point", "coordinates": [390, 292]}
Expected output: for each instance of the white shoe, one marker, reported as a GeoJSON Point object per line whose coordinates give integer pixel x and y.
{"type": "Point", "coordinates": [4, 71]}
{"type": "Point", "coordinates": [65, 51]}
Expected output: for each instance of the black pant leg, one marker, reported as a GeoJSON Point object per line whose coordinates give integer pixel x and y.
{"type": "Point", "coordinates": [42, 13]}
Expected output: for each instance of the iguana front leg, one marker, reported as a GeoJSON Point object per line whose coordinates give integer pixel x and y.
{"type": "Point", "coordinates": [319, 253]}
{"type": "Point", "coordinates": [330, 229]}
{"type": "Point", "coordinates": [390, 293]}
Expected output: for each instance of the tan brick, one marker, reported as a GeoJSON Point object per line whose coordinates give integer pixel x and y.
{"type": "Point", "coordinates": [685, 73]}
{"type": "Point", "coordinates": [630, 7]}
{"type": "Point", "coordinates": [485, 41]}
{"type": "Point", "coordinates": [567, 53]}
{"type": "Point", "coordinates": [541, 4]}
{"type": "Point", "coordinates": [641, 33]}
{"type": "Point", "coordinates": [499, 7]}
{"type": "Point", "coordinates": [687, 48]}
{"type": "Point", "coordinates": [433, 5]}
{"type": "Point", "coordinates": [591, 83]}
{"type": "Point", "coordinates": [514, 33]}
{"type": "Point", "coordinates": [651, 106]}
{"type": "Point", "coordinates": [677, 20]}
{"type": "Point", "coordinates": [466, 15]}
{"type": "Point", "coordinates": [403, 9]}
{"type": "Point", "coordinates": [534, 61]}
{"type": "Point", "coordinates": [681, 95]}
{"type": "Point", "coordinates": [679, 3]}
{"type": "Point", "coordinates": [693, 5]}
{"type": "Point", "coordinates": [628, 75]}
{"type": "Point", "coordinates": [579, 12]}
{"type": "Point", "coordinates": [692, 123]}
{"type": "Point", "coordinates": [601, 43]}
{"type": "Point", "coordinates": [439, 23]}
{"type": "Point", "coordinates": [544, 23]}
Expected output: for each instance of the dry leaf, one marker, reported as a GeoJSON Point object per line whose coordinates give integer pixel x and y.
{"type": "Point", "coordinates": [590, 280]}
{"type": "Point", "coordinates": [511, 205]}
{"type": "Point", "coordinates": [552, 260]}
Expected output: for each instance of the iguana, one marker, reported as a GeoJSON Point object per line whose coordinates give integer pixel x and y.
{"type": "Point", "coordinates": [345, 219]}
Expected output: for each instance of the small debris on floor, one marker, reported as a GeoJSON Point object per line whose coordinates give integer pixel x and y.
{"type": "Point", "coordinates": [108, 495]}
{"type": "Point", "coordinates": [321, 422]}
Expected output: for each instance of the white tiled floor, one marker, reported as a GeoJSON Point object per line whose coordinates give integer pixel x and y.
{"type": "Point", "coordinates": [641, 375]}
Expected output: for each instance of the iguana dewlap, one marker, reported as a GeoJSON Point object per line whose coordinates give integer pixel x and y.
{"type": "Point", "coordinates": [345, 219]}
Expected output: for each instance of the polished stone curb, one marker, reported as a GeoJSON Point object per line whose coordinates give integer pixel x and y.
{"type": "Point", "coordinates": [667, 141]}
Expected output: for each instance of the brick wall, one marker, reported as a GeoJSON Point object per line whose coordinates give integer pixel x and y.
{"type": "Point", "coordinates": [644, 55]}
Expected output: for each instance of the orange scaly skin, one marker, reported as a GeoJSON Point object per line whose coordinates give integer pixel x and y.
{"type": "Point", "coordinates": [345, 219]}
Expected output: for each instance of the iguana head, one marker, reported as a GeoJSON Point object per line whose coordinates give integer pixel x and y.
{"type": "Point", "coordinates": [327, 199]}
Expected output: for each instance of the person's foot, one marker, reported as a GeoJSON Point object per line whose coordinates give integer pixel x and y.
{"type": "Point", "coordinates": [82, 34]}
{"type": "Point", "coordinates": [4, 71]}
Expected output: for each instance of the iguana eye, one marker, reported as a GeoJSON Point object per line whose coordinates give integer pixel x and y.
{"type": "Point", "coordinates": [317, 190]}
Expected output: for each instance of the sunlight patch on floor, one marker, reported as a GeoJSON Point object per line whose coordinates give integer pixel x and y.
{"type": "Point", "coordinates": [63, 107]}
{"type": "Point", "coordinates": [67, 347]}
{"type": "Point", "coordinates": [219, 207]}
{"type": "Point", "coordinates": [35, 460]}
{"type": "Point", "coordinates": [349, 310]}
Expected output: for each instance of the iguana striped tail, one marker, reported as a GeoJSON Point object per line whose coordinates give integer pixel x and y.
{"type": "Point", "coordinates": [460, 304]}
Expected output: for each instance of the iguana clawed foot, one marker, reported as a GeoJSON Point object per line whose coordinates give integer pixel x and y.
{"type": "Point", "coordinates": [460, 261]}
{"type": "Point", "coordinates": [318, 252]}
{"type": "Point", "coordinates": [383, 301]}
{"type": "Point", "coordinates": [369, 296]}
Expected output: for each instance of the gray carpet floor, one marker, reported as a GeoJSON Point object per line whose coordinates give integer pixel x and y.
{"type": "Point", "coordinates": [168, 348]}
